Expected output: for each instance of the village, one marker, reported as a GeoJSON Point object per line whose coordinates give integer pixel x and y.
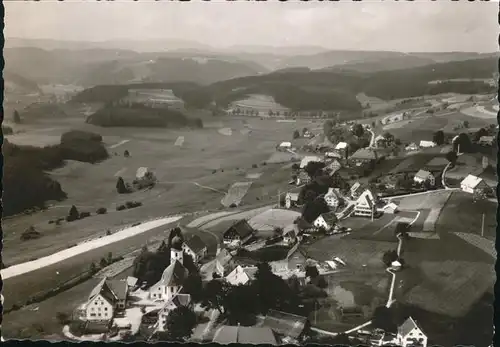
{"type": "Point", "coordinates": [262, 286]}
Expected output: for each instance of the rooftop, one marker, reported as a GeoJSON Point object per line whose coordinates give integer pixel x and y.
{"type": "Point", "coordinates": [249, 335]}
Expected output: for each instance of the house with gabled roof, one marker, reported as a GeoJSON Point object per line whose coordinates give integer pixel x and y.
{"type": "Point", "coordinates": [219, 265]}
{"type": "Point", "coordinates": [241, 275]}
{"type": "Point", "coordinates": [410, 334]}
{"type": "Point", "coordinates": [178, 300]}
{"type": "Point", "coordinates": [364, 156]}
{"type": "Point", "coordinates": [332, 198]}
{"type": "Point", "coordinates": [427, 144]}
{"type": "Point", "coordinates": [104, 301]}
{"type": "Point", "coordinates": [366, 204]}
{"type": "Point", "coordinates": [473, 184]}
{"type": "Point", "coordinates": [326, 221]}
{"type": "Point", "coordinates": [306, 160]}
{"type": "Point", "coordinates": [291, 199]}
{"type": "Point", "coordinates": [290, 327]}
{"type": "Point", "coordinates": [290, 234]}
{"type": "Point", "coordinates": [195, 247]}
{"type": "Point", "coordinates": [245, 335]}
{"type": "Point", "coordinates": [239, 233]}
{"type": "Point", "coordinates": [333, 166]}
{"type": "Point", "coordinates": [424, 176]}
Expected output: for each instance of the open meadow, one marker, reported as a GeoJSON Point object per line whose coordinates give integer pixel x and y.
{"type": "Point", "coordinates": [192, 177]}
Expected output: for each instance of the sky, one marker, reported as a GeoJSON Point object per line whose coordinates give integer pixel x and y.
{"type": "Point", "coordinates": [396, 26]}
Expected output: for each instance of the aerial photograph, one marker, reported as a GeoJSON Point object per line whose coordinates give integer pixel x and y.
{"type": "Point", "coordinates": [258, 173]}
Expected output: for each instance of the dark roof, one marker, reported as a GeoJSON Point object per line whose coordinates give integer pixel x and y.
{"type": "Point", "coordinates": [364, 154]}
{"type": "Point", "coordinates": [119, 288]}
{"type": "Point", "coordinates": [174, 274]}
{"type": "Point", "coordinates": [407, 326]}
{"type": "Point", "coordinates": [195, 243]}
{"type": "Point", "coordinates": [239, 334]}
{"type": "Point", "coordinates": [104, 290]}
{"type": "Point", "coordinates": [284, 323]}
{"type": "Point", "coordinates": [242, 228]}
{"type": "Point", "coordinates": [329, 217]}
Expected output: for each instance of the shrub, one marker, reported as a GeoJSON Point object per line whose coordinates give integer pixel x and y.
{"type": "Point", "coordinates": [30, 234]}
{"type": "Point", "coordinates": [121, 208]}
{"type": "Point", "coordinates": [108, 232]}
{"type": "Point", "coordinates": [254, 166]}
{"type": "Point", "coordinates": [63, 318]}
{"type": "Point", "coordinates": [84, 215]}
{"type": "Point", "coordinates": [101, 210]}
{"type": "Point", "coordinates": [133, 204]}
{"type": "Point", "coordinates": [73, 214]}
{"type": "Point", "coordinates": [6, 130]}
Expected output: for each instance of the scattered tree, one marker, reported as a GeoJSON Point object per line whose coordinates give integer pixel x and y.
{"type": "Point", "coordinates": [193, 286]}
{"type": "Point", "coordinates": [126, 154]}
{"type": "Point", "coordinates": [73, 214]}
{"type": "Point", "coordinates": [358, 130]}
{"type": "Point", "coordinates": [438, 137]}
{"type": "Point", "coordinates": [296, 134]}
{"type": "Point", "coordinates": [63, 318]}
{"type": "Point", "coordinates": [16, 117]}
{"type": "Point", "coordinates": [452, 157]}
{"type": "Point", "coordinates": [314, 168]}
{"type": "Point", "coordinates": [121, 188]}
{"type": "Point", "coordinates": [389, 256]}
{"type": "Point", "coordinates": [101, 210]}
{"type": "Point", "coordinates": [466, 124]}
{"type": "Point", "coordinates": [383, 319]}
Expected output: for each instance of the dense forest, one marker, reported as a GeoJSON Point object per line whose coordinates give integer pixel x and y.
{"type": "Point", "coordinates": [25, 181]}
{"type": "Point", "coordinates": [140, 115]}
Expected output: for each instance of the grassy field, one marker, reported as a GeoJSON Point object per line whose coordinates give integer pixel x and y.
{"type": "Point", "coordinates": [448, 275]}
{"type": "Point", "coordinates": [366, 289]}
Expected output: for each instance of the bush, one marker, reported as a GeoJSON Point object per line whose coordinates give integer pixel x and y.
{"type": "Point", "coordinates": [6, 130]}
{"type": "Point", "coordinates": [73, 214]}
{"type": "Point", "coordinates": [84, 215]}
{"type": "Point", "coordinates": [121, 208]}
{"type": "Point", "coordinates": [30, 234]}
{"type": "Point", "coordinates": [63, 318]}
{"type": "Point", "coordinates": [254, 166]}
{"type": "Point", "coordinates": [133, 204]}
{"type": "Point", "coordinates": [101, 210]}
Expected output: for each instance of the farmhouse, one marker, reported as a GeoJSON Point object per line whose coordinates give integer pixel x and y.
{"type": "Point", "coordinates": [241, 275]}
{"type": "Point", "coordinates": [291, 199]}
{"type": "Point", "coordinates": [290, 327]}
{"type": "Point", "coordinates": [104, 301]}
{"type": "Point", "coordinates": [144, 177]}
{"type": "Point", "coordinates": [195, 247]}
{"type": "Point", "coordinates": [486, 140]}
{"type": "Point", "coordinates": [285, 146]}
{"type": "Point", "coordinates": [290, 234]}
{"type": "Point", "coordinates": [238, 233]}
{"type": "Point", "coordinates": [303, 178]}
{"type": "Point", "coordinates": [244, 335]}
{"type": "Point", "coordinates": [427, 144]}
{"type": "Point", "coordinates": [219, 265]}
{"type": "Point", "coordinates": [306, 160]}
{"type": "Point", "coordinates": [332, 199]}
{"type": "Point", "coordinates": [332, 167]}
{"type": "Point", "coordinates": [409, 334]}
{"type": "Point", "coordinates": [366, 204]}
{"type": "Point", "coordinates": [411, 147]}
{"type": "Point", "coordinates": [380, 141]}
{"type": "Point", "coordinates": [424, 176]}
{"type": "Point", "coordinates": [472, 184]}
{"type": "Point", "coordinates": [364, 156]}
{"type": "Point", "coordinates": [326, 221]}
{"type": "Point", "coordinates": [173, 276]}
{"type": "Point", "coordinates": [175, 302]}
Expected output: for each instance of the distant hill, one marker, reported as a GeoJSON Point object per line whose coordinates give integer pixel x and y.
{"type": "Point", "coordinates": [303, 89]}
{"type": "Point", "coordinates": [91, 67]}
{"type": "Point", "coordinates": [16, 83]}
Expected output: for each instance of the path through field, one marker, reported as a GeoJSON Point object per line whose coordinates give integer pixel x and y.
{"type": "Point", "coordinates": [236, 193]}
{"type": "Point", "coordinates": [29, 266]}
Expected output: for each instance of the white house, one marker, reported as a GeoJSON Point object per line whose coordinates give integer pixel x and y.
{"type": "Point", "coordinates": [341, 146]}
{"type": "Point", "coordinates": [306, 160]}
{"type": "Point", "coordinates": [409, 334]}
{"type": "Point", "coordinates": [175, 302]}
{"type": "Point", "coordinates": [366, 204]}
{"type": "Point", "coordinates": [241, 275]}
{"type": "Point", "coordinates": [332, 155]}
{"type": "Point", "coordinates": [285, 145]}
{"type": "Point", "coordinates": [173, 276]}
{"type": "Point", "coordinates": [424, 176]}
{"type": "Point", "coordinates": [411, 147]}
{"type": "Point", "coordinates": [195, 247]}
{"type": "Point", "coordinates": [104, 300]}
{"type": "Point", "coordinates": [472, 184]}
{"type": "Point", "coordinates": [325, 220]}
{"type": "Point", "coordinates": [291, 199]}
{"type": "Point", "coordinates": [354, 189]}
{"type": "Point", "coordinates": [427, 144]}
{"type": "Point", "coordinates": [332, 199]}
{"type": "Point", "coordinates": [390, 208]}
